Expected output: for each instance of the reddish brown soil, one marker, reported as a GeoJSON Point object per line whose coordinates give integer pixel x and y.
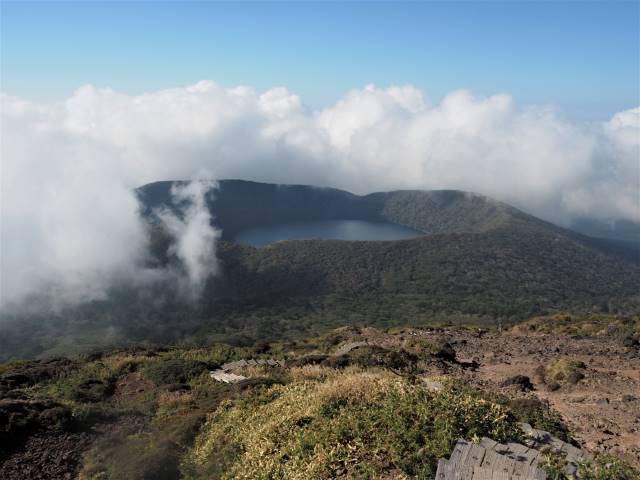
{"type": "Point", "coordinates": [602, 410]}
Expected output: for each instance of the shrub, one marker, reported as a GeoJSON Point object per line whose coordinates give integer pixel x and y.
{"type": "Point", "coordinates": [173, 370]}
{"type": "Point", "coordinates": [427, 349]}
{"type": "Point", "coordinates": [603, 467]}
{"type": "Point", "coordinates": [353, 424]}
{"type": "Point", "coordinates": [374, 356]}
{"type": "Point", "coordinates": [306, 360]}
{"type": "Point", "coordinates": [92, 390]}
{"type": "Point", "coordinates": [92, 383]}
{"type": "Point", "coordinates": [23, 417]}
{"type": "Point", "coordinates": [539, 415]}
{"type": "Point", "coordinates": [608, 467]}
{"type": "Point", "coordinates": [563, 372]}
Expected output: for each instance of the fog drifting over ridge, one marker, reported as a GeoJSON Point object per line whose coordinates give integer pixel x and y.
{"type": "Point", "coordinates": [69, 215]}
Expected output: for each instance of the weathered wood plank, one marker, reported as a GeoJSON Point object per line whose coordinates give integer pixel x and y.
{"type": "Point", "coordinates": [444, 472]}
{"type": "Point", "coordinates": [459, 452]}
{"type": "Point", "coordinates": [490, 460]}
{"type": "Point", "coordinates": [474, 457]}
{"type": "Point", "coordinates": [482, 473]}
{"type": "Point", "coordinates": [222, 376]}
{"type": "Point", "coordinates": [488, 443]}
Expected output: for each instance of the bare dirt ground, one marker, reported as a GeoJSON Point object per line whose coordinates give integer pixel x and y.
{"type": "Point", "coordinates": [602, 410]}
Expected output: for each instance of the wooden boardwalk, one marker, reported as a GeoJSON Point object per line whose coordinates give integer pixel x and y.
{"type": "Point", "coordinates": [251, 363]}
{"type": "Point", "coordinates": [223, 374]}
{"type": "Point", "coordinates": [490, 460]}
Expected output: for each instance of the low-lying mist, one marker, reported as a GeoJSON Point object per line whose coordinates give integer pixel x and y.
{"type": "Point", "coordinates": [70, 221]}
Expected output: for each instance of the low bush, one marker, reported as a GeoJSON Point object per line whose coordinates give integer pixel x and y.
{"type": "Point", "coordinates": [539, 415]}
{"type": "Point", "coordinates": [22, 417]}
{"type": "Point", "coordinates": [589, 324]}
{"type": "Point", "coordinates": [428, 349]}
{"type": "Point", "coordinates": [166, 371]}
{"type": "Point", "coordinates": [562, 372]}
{"type": "Point", "coordinates": [306, 360]}
{"type": "Point", "coordinates": [603, 467]}
{"type": "Point", "coordinates": [374, 356]}
{"type": "Point", "coordinates": [91, 383]}
{"type": "Point", "coordinates": [353, 424]}
{"type": "Point", "coordinates": [608, 467]}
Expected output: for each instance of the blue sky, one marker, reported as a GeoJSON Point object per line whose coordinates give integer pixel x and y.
{"type": "Point", "coordinates": [582, 56]}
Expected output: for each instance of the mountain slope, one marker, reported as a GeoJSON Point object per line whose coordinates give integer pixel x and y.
{"type": "Point", "coordinates": [239, 204]}
{"type": "Point", "coordinates": [480, 261]}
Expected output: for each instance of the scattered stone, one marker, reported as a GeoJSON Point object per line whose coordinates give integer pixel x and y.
{"type": "Point", "coordinates": [553, 386]}
{"type": "Point", "coordinates": [631, 341]}
{"type": "Point", "coordinates": [521, 381]}
{"type": "Point", "coordinates": [445, 352]}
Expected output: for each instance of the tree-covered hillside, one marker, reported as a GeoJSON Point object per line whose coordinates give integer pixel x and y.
{"type": "Point", "coordinates": [480, 261]}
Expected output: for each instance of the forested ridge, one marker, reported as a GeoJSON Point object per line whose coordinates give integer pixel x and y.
{"type": "Point", "coordinates": [479, 261]}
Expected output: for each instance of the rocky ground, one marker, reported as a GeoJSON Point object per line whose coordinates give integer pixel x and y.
{"type": "Point", "coordinates": [46, 455]}
{"type": "Point", "coordinates": [603, 408]}
{"type": "Point", "coordinates": [598, 396]}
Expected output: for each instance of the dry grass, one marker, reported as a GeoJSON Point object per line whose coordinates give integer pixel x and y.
{"type": "Point", "coordinates": [591, 324]}
{"type": "Point", "coordinates": [169, 399]}
{"type": "Point", "coordinates": [124, 362]}
{"type": "Point", "coordinates": [254, 371]}
{"type": "Point", "coordinates": [351, 423]}
{"type": "Point", "coordinates": [309, 372]}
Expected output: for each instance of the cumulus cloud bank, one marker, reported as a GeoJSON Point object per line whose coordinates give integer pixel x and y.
{"type": "Point", "coordinates": [69, 216]}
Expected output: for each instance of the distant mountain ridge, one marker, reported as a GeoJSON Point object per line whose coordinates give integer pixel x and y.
{"type": "Point", "coordinates": [479, 261]}
{"type": "Point", "coordinates": [478, 257]}
{"type": "Point", "coordinates": [240, 204]}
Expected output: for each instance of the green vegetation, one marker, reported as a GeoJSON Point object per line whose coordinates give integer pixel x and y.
{"type": "Point", "coordinates": [562, 372]}
{"type": "Point", "coordinates": [608, 467]}
{"type": "Point", "coordinates": [539, 415]}
{"type": "Point", "coordinates": [364, 414]}
{"type": "Point", "coordinates": [173, 370]}
{"type": "Point", "coordinates": [585, 324]}
{"type": "Point", "coordinates": [426, 349]}
{"type": "Point", "coordinates": [355, 423]}
{"type": "Point", "coordinates": [481, 262]}
{"type": "Point", "coordinates": [603, 467]}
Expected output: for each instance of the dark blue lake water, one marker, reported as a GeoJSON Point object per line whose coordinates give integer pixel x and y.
{"type": "Point", "coordinates": [324, 229]}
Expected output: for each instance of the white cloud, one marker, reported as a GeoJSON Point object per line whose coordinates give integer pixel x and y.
{"type": "Point", "coordinates": [193, 235]}
{"type": "Point", "coordinates": [69, 217]}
